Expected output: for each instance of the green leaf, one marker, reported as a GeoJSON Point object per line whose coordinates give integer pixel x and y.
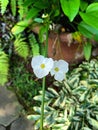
{"type": "Point", "coordinates": [32, 13]}
{"type": "Point", "coordinates": [42, 38]}
{"type": "Point", "coordinates": [13, 7]}
{"type": "Point", "coordinates": [92, 7]}
{"type": "Point", "coordinates": [38, 20]}
{"type": "Point", "coordinates": [4, 67]}
{"type": "Point", "coordinates": [50, 119]}
{"type": "Point", "coordinates": [34, 45]}
{"type": "Point", "coordinates": [28, 3]}
{"type": "Point", "coordinates": [33, 117]}
{"type": "Point", "coordinates": [87, 50]}
{"type": "Point", "coordinates": [3, 5]}
{"type": "Point", "coordinates": [70, 8]}
{"type": "Point", "coordinates": [38, 98]}
{"type": "Point", "coordinates": [21, 9]}
{"type": "Point", "coordinates": [51, 90]}
{"type": "Point", "coordinates": [83, 5]}
{"type": "Point", "coordinates": [21, 47]}
{"type": "Point", "coordinates": [88, 31]}
{"type": "Point", "coordinates": [19, 27]}
{"type": "Point", "coordinates": [91, 17]}
{"type": "Point", "coordinates": [86, 128]}
{"type": "Point", "coordinates": [37, 109]}
{"type": "Point", "coordinates": [41, 4]}
{"type": "Point", "coordinates": [57, 102]}
{"type": "Point", "coordinates": [93, 122]}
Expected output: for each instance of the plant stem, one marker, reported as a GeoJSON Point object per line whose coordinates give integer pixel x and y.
{"type": "Point", "coordinates": [43, 83]}
{"type": "Point", "coordinates": [46, 48]}
{"type": "Point", "coordinates": [42, 106]}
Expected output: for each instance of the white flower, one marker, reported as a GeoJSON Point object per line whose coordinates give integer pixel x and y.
{"type": "Point", "coordinates": [59, 69]}
{"type": "Point", "coordinates": [41, 65]}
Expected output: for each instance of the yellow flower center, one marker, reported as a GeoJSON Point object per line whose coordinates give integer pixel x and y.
{"type": "Point", "coordinates": [42, 66]}
{"type": "Point", "coordinates": [56, 69]}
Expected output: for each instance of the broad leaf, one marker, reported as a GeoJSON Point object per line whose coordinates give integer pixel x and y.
{"type": "Point", "coordinates": [88, 31]}
{"type": "Point", "coordinates": [92, 7]}
{"type": "Point", "coordinates": [70, 8]}
{"type": "Point", "coordinates": [91, 17]}
{"type": "Point", "coordinates": [19, 27]}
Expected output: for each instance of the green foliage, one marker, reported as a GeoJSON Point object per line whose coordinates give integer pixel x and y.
{"type": "Point", "coordinates": [90, 16]}
{"type": "Point", "coordinates": [70, 8]}
{"type": "Point", "coordinates": [34, 45]}
{"type": "Point", "coordinates": [21, 9]}
{"type": "Point", "coordinates": [88, 31]}
{"type": "Point", "coordinates": [21, 47]}
{"type": "Point", "coordinates": [23, 83]}
{"type": "Point", "coordinates": [74, 104]}
{"type": "Point", "coordinates": [83, 5]}
{"type": "Point", "coordinates": [87, 49]}
{"type": "Point", "coordinates": [3, 5]}
{"type": "Point", "coordinates": [13, 7]}
{"type": "Point", "coordinates": [4, 68]}
{"type": "Point", "coordinates": [19, 27]}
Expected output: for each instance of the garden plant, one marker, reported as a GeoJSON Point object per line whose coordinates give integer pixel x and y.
{"type": "Point", "coordinates": [55, 94]}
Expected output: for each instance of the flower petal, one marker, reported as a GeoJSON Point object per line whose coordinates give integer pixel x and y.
{"type": "Point", "coordinates": [49, 63]}
{"type": "Point", "coordinates": [59, 76]}
{"type": "Point", "coordinates": [63, 65]}
{"type": "Point", "coordinates": [37, 60]}
{"type": "Point", "coordinates": [40, 73]}
{"type": "Point", "coordinates": [52, 72]}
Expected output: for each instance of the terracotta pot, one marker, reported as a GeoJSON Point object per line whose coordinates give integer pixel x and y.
{"type": "Point", "coordinates": [63, 47]}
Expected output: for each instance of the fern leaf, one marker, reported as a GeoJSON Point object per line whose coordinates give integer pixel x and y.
{"type": "Point", "coordinates": [4, 67]}
{"type": "Point", "coordinates": [22, 10]}
{"type": "Point", "coordinates": [13, 7]}
{"type": "Point", "coordinates": [34, 45]}
{"type": "Point", "coordinates": [21, 47]}
{"type": "Point", "coordinates": [3, 4]}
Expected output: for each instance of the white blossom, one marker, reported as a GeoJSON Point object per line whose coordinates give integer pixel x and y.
{"type": "Point", "coordinates": [59, 70]}
{"type": "Point", "coordinates": [41, 65]}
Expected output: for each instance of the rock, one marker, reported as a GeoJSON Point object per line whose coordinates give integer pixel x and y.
{"type": "Point", "coordinates": [22, 124]}
{"type": "Point", "coordinates": [2, 127]}
{"type": "Point", "coordinates": [9, 106]}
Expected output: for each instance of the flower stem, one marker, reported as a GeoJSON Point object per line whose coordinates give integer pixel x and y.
{"type": "Point", "coordinates": [46, 48]}
{"type": "Point", "coordinates": [42, 106]}
{"type": "Point", "coordinates": [43, 82]}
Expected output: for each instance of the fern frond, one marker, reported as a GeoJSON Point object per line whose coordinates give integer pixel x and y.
{"type": "Point", "coordinates": [22, 10]}
{"type": "Point", "coordinates": [13, 7]}
{"type": "Point", "coordinates": [34, 45]}
{"type": "Point", "coordinates": [4, 67]}
{"type": "Point", "coordinates": [21, 47]}
{"type": "Point", "coordinates": [3, 4]}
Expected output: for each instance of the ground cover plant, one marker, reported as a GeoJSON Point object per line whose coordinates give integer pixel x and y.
{"type": "Point", "coordinates": [74, 104]}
